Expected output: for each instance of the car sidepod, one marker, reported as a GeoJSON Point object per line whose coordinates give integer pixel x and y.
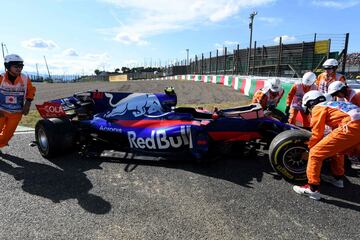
{"type": "Point", "coordinates": [154, 136]}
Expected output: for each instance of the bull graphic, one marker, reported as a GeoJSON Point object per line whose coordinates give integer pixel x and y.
{"type": "Point", "coordinates": [137, 103]}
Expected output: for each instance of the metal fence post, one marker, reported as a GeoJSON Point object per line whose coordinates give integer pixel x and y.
{"type": "Point", "coordinates": [279, 58]}
{"type": "Point", "coordinates": [313, 56]}
{"type": "Point", "coordinates": [191, 63]}
{"type": "Point", "coordinates": [210, 67]}
{"type": "Point", "coordinates": [225, 53]}
{"type": "Point", "coordinates": [237, 59]}
{"type": "Point", "coordinates": [253, 68]}
{"type": "Point", "coordinates": [234, 63]}
{"type": "Point", "coordinates": [345, 53]}
{"type": "Point", "coordinates": [248, 61]}
{"type": "Point", "coordinates": [302, 56]}
{"type": "Point", "coordinates": [196, 65]}
{"type": "Point", "coordinates": [329, 49]}
{"type": "Point", "coordinates": [262, 57]}
{"type": "Point", "coordinates": [202, 64]}
{"type": "Point", "coordinates": [217, 61]}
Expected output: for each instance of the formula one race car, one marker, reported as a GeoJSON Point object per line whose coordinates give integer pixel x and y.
{"type": "Point", "coordinates": [151, 124]}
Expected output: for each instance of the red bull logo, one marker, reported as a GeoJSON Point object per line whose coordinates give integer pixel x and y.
{"type": "Point", "coordinates": [160, 140]}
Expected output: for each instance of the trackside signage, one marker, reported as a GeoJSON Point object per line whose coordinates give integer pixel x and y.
{"type": "Point", "coordinates": [159, 139]}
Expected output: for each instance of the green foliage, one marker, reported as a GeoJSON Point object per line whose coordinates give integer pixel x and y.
{"type": "Point", "coordinates": [31, 119]}
{"type": "Point", "coordinates": [125, 70]}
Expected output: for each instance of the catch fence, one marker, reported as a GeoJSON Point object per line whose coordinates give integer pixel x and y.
{"type": "Point", "coordinates": [287, 57]}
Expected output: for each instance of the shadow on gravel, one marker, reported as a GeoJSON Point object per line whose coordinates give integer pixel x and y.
{"type": "Point", "coordinates": [66, 182]}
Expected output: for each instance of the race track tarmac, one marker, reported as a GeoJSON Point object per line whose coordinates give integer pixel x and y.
{"type": "Point", "coordinates": [237, 197]}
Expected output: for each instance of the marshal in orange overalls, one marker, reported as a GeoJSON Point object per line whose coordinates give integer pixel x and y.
{"type": "Point", "coordinates": [267, 98]}
{"type": "Point", "coordinates": [294, 100]}
{"type": "Point", "coordinates": [324, 79]}
{"type": "Point", "coordinates": [12, 97]}
{"type": "Point", "coordinates": [344, 119]}
{"type": "Point", "coordinates": [353, 97]}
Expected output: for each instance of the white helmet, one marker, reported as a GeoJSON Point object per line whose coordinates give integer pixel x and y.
{"type": "Point", "coordinates": [330, 63]}
{"type": "Point", "coordinates": [335, 87]}
{"type": "Point", "coordinates": [329, 97]}
{"type": "Point", "coordinates": [13, 58]}
{"type": "Point", "coordinates": [274, 84]}
{"type": "Point", "coordinates": [309, 78]}
{"type": "Point", "coordinates": [312, 98]}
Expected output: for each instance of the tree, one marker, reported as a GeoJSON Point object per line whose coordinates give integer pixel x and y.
{"type": "Point", "coordinates": [117, 70]}
{"type": "Point", "coordinates": [97, 72]}
{"type": "Point", "coordinates": [125, 70]}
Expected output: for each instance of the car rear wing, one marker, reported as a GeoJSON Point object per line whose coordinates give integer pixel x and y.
{"type": "Point", "coordinates": [63, 107]}
{"type": "Point", "coordinates": [50, 110]}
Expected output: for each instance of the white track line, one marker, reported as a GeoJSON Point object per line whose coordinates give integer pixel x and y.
{"type": "Point", "coordinates": [27, 132]}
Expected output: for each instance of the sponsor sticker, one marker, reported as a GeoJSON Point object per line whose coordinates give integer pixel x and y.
{"type": "Point", "coordinates": [49, 110]}
{"type": "Point", "coordinates": [160, 140]}
{"type": "Point", "coordinates": [110, 129]}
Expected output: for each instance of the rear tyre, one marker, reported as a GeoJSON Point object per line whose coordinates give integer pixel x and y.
{"type": "Point", "coordinates": [55, 137]}
{"type": "Point", "coordinates": [288, 154]}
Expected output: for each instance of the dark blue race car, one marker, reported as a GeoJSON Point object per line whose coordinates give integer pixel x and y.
{"type": "Point", "coordinates": [151, 124]}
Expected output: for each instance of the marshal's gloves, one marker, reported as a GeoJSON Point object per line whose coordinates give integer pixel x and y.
{"type": "Point", "coordinates": [26, 107]}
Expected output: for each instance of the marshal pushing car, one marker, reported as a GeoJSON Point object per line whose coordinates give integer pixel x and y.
{"type": "Point", "coordinates": [151, 124]}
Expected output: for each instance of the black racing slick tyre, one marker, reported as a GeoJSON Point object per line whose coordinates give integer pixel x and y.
{"type": "Point", "coordinates": [55, 137]}
{"type": "Point", "coordinates": [288, 154]}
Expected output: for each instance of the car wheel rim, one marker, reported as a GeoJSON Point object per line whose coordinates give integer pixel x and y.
{"type": "Point", "coordinates": [43, 140]}
{"type": "Point", "coordinates": [293, 159]}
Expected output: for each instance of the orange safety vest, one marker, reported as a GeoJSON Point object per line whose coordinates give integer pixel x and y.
{"type": "Point", "coordinates": [12, 96]}
{"type": "Point", "coordinates": [271, 99]}
{"type": "Point", "coordinates": [323, 81]}
{"type": "Point", "coordinates": [346, 107]}
{"type": "Point", "coordinates": [299, 94]}
{"type": "Point", "coordinates": [266, 98]}
{"type": "Point", "coordinates": [353, 97]}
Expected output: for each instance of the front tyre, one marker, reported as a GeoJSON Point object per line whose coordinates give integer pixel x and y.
{"type": "Point", "coordinates": [55, 137]}
{"type": "Point", "coordinates": [288, 154]}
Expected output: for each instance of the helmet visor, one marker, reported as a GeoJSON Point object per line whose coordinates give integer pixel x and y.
{"type": "Point", "coordinates": [328, 67]}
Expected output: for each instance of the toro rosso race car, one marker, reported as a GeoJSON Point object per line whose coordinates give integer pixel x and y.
{"type": "Point", "coordinates": [151, 124]}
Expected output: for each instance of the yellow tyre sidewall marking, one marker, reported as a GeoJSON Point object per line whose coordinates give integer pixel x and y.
{"type": "Point", "coordinates": [278, 167]}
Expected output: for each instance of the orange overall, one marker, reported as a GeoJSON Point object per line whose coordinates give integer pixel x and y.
{"type": "Point", "coordinates": [344, 119]}
{"type": "Point", "coordinates": [266, 98]}
{"type": "Point", "coordinates": [323, 80]}
{"type": "Point", "coordinates": [353, 97]}
{"type": "Point", "coordinates": [294, 100]}
{"type": "Point", "coordinates": [9, 120]}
